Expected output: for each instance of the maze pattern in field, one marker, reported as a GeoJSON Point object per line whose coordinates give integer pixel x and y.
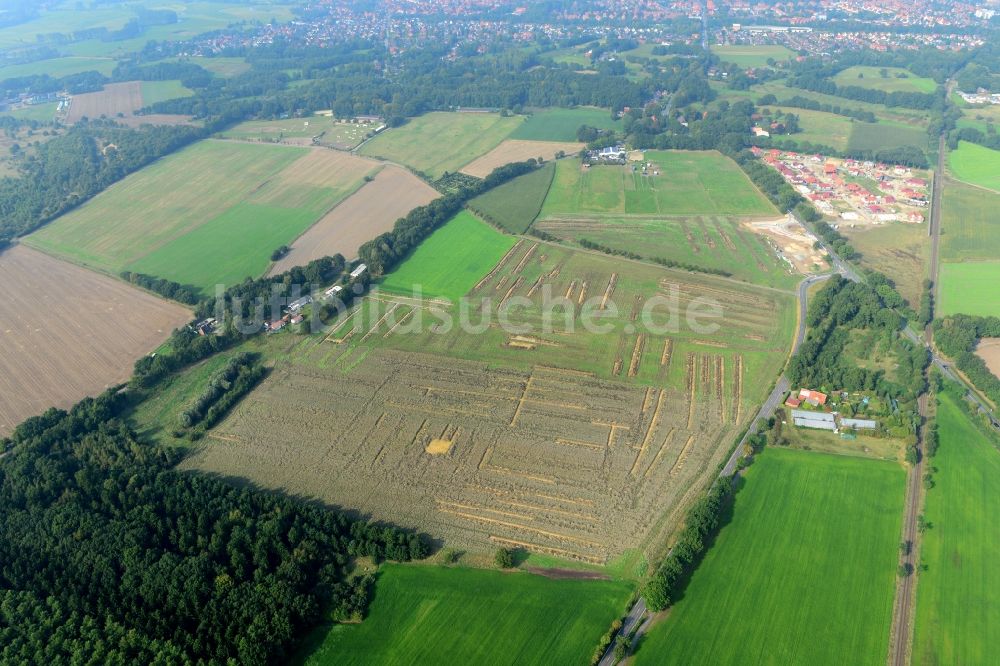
{"type": "Point", "coordinates": [551, 460]}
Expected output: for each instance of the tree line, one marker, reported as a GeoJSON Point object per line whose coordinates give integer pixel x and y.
{"type": "Point", "coordinates": [800, 102]}
{"type": "Point", "coordinates": [166, 288]}
{"type": "Point", "coordinates": [237, 378]}
{"type": "Point", "coordinates": [957, 337]}
{"type": "Point", "coordinates": [669, 263]}
{"type": "Point", "coordinates": [701, 521]}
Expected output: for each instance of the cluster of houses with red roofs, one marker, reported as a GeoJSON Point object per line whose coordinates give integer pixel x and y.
{"type": "Point", "coordinates": [853, 190]}
{"type": "Point", "coordinates": [819, 417]}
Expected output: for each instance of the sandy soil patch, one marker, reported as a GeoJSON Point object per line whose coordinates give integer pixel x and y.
{"type": "Point", "coordinates": [792, 242]}
{"type": "Point", "coordinates": [370, 211]}
{"type": "Point", "coordinates": [517, 150]}
{"type": "Point", "coordinates": [439, 447]}
{"type": "Point", "coordinates": [66, 332]}
{"type": "Point", "coordinates": [989, 350]}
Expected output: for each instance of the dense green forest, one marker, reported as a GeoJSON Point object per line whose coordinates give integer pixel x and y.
{"type": "Point", "coordinates": [110, 555]}
{"type": "Point", "coordinates": [840, 307]}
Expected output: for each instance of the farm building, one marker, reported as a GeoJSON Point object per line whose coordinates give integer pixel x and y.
{"type": "Point", "coordinates": [817, 420]}
{"type": "Point", "coordinates": [814, 398]}
{"type": "Point", "coordinates": [793, 402]}
{"type": "Point", "coordinates": [859, 424]}
{"type": "Point", "coordinates": [299, 303]}
{"type": "Point", "coordinates": [359, 271]}
{"type": "Point", "coordinates": [333, 291]}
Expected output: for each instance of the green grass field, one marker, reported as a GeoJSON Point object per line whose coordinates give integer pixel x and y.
{"type": "Point", "coordinates": [758, 324]}
{"type": "Point", "coordinates": [716, 242]}
{"type": "Point", "coordinates": [433, 615]}
{"type": "Point", "coordinates": [331, 132]}
{"type": "Point", "coordinates": [515, 204]}
{"type": "Point", "coordinates": [439, 142]}
{"type": "Point", "coordinates": [58, 67]}
{"type": "Point", "coordinates": [209, 214]}
{"type": "Point", "coordinates": [746, 55]}
{"type": "Point", "coordinates": [976, 165]}
{"type": "Point", "coordinates": [156, 416]}
{"type": "Point", "coordinates": [871, 77]}
{"type": "Point", "coordinates": [969, 288]}
{"type": "Point", "coordinates": [40, 112]}
{"type": "Point", "coordinates": [160, 91]}
{"type": "Point", "coordinates": [803, 574]}
{"type": "Point", "coordinates": [450, 262]}
{"type": "Point", "coordinates": [827, 129]}
{"type": "Point", "coordinates": [562, 124]}
{"type": "Point", "coordinates": [970, 229]}
{"type": "Point", "coordinates": [883, 136]}
{"type": "Point", "coordinates": [689, 183]}
{"type": "Point", "coordinates": [958, 613]}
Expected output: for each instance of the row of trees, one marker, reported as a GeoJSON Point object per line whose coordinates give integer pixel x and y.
{"type": "Point", "coordinates": [111, 556]}
{"type": "Point", "coordinates": [958, 336]}
{"type": "Point", "coordinates": [669, 263]}
{"type": "Point", "coordinates": [700, 523]}
{"type": "Point", "coordinates": [800, 102]}
{"type": "Point", "coordinates": [225, 387]}
{"type": "Point", "coordinates": [166, 288]}
{"type": "Point", "coordinates": [185, 346]}
{"type": "Point", "coordinates": [911, 100]}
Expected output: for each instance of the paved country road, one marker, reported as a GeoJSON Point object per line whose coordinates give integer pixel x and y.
{"type": "Point", "coordinates": [637, 619]}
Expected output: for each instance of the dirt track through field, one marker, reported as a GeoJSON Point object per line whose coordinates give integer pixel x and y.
{"type": "Point", "coordinates": [367, 213]}
{"type": "Point", "coordinates": [66, 332]}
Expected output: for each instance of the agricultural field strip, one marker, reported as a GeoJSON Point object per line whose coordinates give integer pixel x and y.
{"type": "Point", "coordinates": [157, 208]}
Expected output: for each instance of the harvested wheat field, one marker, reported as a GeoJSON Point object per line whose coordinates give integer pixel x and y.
{"type": "Point", "coordinates": [518, 150]}
{"type": "Point", "coordinates": [550, 460]}
{"type": "Point", "coordinates": [564, 440]}
{"type": "Point", "coordinates": [67, 332]}
{"type": "Point", "coordinates": [124, 98]}
{"type": "Point", "coordinates": [370, 211]}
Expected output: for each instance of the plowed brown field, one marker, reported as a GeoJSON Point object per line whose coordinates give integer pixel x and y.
{"type": "Point", "coordinates": [517, 150]}
{"type": "Point", "coordinates": [66, 332]}
{"type": "Point", "coordinates": [370, 211]}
